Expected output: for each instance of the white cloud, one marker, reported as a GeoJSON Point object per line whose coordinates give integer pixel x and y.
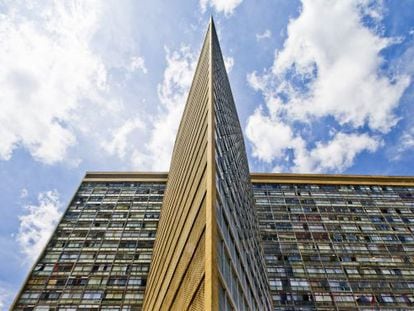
{"type": "Point", "coordinates": [24, 193]}
{"type": "Point", "coordinates": [65, 81]}
{"type": "Point", "coordinates": [123, 137]}
{"type": "Point", "coordinates": [257, 82]}
{"type": "Point", "coordinates": [270, 138]}
{"type": "Point", "coordinates": [147, 144]}
{"type": "Point", "coordinates": [331, 70]}
{"type": "Point", "coordinates": [137, 63]}
{"type": "Point", "coordinates": [38, 223]}
{"type": "Point", "coordinates": [47, 68]}
{"type": "Point", "coordinates": [404, 144]}
{"type": "Point", "coordinates": [61, 84]}
{"type": "Point", "coordinates": [407, 140]}
{"type": "Point", "coordinates": [274, 139]}
{"type": "Point", "coordinates": [265, 35]}
{"type": "Point", "coordinates": [342, 63]}
{"type": "Point", "coordinates": [177, 77]}
{"type": "Point", "coordinates": [172, 93]}
{"type": "Point", "coordinates": [229, 63]}
{"type": "Point", "coordinates": [6, 296]}
{"type": "Point", "coordinates": [336, 155]}
{"type": "Point", "coordinates": [222, 6]}
{"type": "Point", "coordinates": [405, 62]}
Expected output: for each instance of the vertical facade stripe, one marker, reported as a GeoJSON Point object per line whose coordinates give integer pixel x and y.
{"type": "Point", "coordinates": [178, 270]}
{"type": "Point", "coordinates": [211, 231]}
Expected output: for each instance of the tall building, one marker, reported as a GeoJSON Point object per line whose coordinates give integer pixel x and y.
{"type": "Point", "coordinates": [211, 236]}
{"type": "Point", "coordinates": [207, 254]}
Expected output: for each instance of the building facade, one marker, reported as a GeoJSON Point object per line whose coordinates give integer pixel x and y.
{"type": "Point", "coordinates": [99, 256]}
{"type": "Point", "coordinates": [330, 243]}
{"type": "Point", "coordinates": [211, 236]}
{"type": "Point", "coordinates": [337, 242]}
{"type": "Point", "coordinates": [207, 254]}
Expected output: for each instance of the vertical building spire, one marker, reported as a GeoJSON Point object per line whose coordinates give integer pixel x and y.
{"type": "Point", "coordinates": [211, 281]}
{"type": "Point", "coordinates": [207, 254]}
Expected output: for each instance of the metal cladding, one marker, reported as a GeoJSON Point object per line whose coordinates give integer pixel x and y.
{"type": "Point", "coordinates": [177, 275]}
{"type": "Point", "coordinates": [207, 254]}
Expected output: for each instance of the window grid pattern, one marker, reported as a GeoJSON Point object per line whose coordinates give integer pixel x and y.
{"type": "Point", "coordinates": [100, 254]}
{"type": "Point", "coordinates": [326, 247]}
{"type": "Point", "coordinates": [240, 256]}
{"type": "Point", "coordinates": [338, 247]}
{"type": "Point", "coordinates": [178, 267]}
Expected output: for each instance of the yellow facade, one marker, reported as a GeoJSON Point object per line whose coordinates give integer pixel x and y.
{"type": "Point", "coordinates": [185, 270]}
{"type": "Point", "coordinates": [177, 279]}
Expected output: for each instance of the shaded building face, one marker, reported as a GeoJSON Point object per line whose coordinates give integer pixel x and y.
{"type": "Point", "coordinates": [100, 254]}
{"type": "Point", "coordinates": [338, 246]}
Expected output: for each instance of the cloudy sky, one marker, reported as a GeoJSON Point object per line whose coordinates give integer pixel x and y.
{"type": "Point", "coordinates": [321, 86]}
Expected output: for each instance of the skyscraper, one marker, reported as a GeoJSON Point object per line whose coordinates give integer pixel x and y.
{"type": "Point", "coordinates": [226, 239]}
{"type": "Point", "coordinates": [207, 251]}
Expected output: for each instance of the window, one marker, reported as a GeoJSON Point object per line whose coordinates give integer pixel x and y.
{"type": "Point", "coordinates": [93, 295]}
{"type": "Point", "coordinates": [275, 284]}
{"type": "Point", "coordinates": [117, 281]}
{"type": "Point", "coordinates": [113, 295]}
{"type": "Point", "coordinates": [322, 297]}
{"type": "Point", "coordinates": [344, 298]}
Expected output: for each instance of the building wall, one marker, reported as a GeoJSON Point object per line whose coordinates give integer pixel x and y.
{"type": "Point", "coordinates": [333, 246]}
{"type": "Point", "coordinates": [335, 243]}
{"type": "Point", "coordinates": [241, 268]}
{"type": "Point", "coordinates": [99, 256]}
{"type": "Point", "coordinates": [177, 276]}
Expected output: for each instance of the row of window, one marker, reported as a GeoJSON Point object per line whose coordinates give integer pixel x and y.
{"type": "Point", "coordinates": [100, 252]}
{"type": "Point", "coordinates": [337, 245]}
{"type": "Point", "coordinates": [331, 189]}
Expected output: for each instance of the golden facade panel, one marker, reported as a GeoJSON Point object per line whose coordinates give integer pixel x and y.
{"type": "Point", "coordinates": [179, 267]}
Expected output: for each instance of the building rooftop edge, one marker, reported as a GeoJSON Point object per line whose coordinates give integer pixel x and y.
{"type": "Point", "coordinates": [285, 178]}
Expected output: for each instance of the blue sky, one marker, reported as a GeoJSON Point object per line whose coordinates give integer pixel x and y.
{"type": "Point", "coordinates": [321, 87]}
